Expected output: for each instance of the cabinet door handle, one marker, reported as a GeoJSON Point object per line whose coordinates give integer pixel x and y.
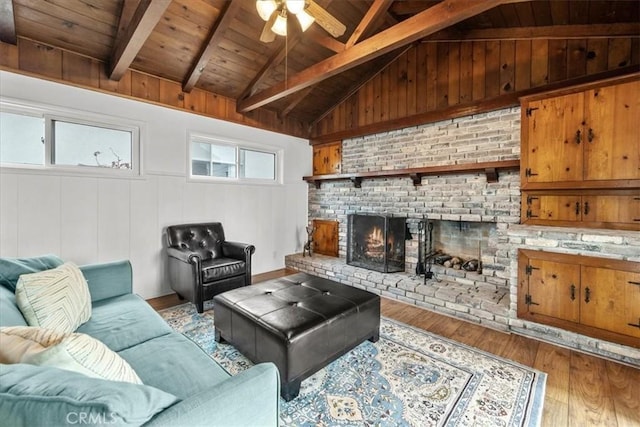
{"type": "Point", "coordinates": [587, 295]}
{"type": "Point", "coordinates": [577, 208]}
{"type": "Point", "coordinates": [590, 135]}
{"type": "Point", "coordinates": [635, 325]}
{"type": "Point", "coordinates": [587, 209]}
{"type": "Point", "coordinates": [578, 136]}
{"type": "Point", "coordinates": [573, 292]}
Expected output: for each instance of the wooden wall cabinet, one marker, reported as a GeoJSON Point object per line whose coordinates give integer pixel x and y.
{"type": "Point", "coordinates": [593, 296]}
{"type": "Point", "coordinates": [583, 138]}
{"type": "Point", "coordinates": [580, 156]}
{"type": "Point", "coordinates": [327, 158]}
{"type": "Point", "coordinates": [619, 209]}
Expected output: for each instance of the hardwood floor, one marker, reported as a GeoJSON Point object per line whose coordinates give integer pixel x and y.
{"type": "Point", "coordinates": [581, 391]}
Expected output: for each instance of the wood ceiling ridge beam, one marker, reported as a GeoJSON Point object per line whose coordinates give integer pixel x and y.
{"type": "Point", "coordinates": [550, 32]}
{"type": "Point", "coordinates": [144, 20]}
{"type": "Point", "coordinates": [7, 22]}
{"type": "Point", "coordinates": [377, 9]}
{"type": "Point", "coordinates": [206, 51]}
{"type": "Point", "coordinates": [434, 19]}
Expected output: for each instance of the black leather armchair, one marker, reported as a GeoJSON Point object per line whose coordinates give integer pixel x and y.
{"type": "Point", "coordinates": [203, 264]}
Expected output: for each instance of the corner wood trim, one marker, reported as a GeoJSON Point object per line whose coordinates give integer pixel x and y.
{"type": "Point", "coordinates": [490, 169]}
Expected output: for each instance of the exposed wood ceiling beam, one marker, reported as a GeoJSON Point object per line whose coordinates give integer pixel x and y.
{"type": "Point", "coordinates": [296, 99]}
{"type": "Point", "coordinates": [371, 73]}
{"type": "Point", "coordinates": [144, 20]}
{"type": "Point", "coordinates": [126, 15]}
{"type": "Point", "coordinates": [590, 31]}
{"type": "Point", "coordinates": [206, 52]}
{"type": "Point", "coordinates": [275, 60]}
{"type": "Point", "coordinates": [434, 19]}
{"type": "Point", "coordinates": [7, 22]}
{"type": "Point", "coordinates": [320, 37]}
{"type": "Point", "coordinates": [377, 9]}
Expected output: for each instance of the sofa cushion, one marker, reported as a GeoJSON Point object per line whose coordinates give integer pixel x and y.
{"type": "Point", "coordinates": [42, 396]}
{"type": "Point", "coordinates": [10, 314]}
{"type": "Point", "coordinates": [56, 299]}
{"type": "Point", "coordinates": [12, 268]}
{"type": "Point", "coordinates": [124, 321]}
{"type": "Point", "coordinates": [175, 364]}
{"type": "Point", "coordinates": [72, 352]}
{"type": "Point", "coordinates": [221, 268]}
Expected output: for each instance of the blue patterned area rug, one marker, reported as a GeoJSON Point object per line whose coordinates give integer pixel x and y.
{"type": "Point", "coordinates": [408, 378]}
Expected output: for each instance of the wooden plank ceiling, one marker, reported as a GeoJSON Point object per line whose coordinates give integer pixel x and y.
{"type": "Point", "coordinates": [214, 44]}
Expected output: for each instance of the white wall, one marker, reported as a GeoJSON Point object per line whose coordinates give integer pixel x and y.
{"type": "Point", "coordinates": [94, 219]}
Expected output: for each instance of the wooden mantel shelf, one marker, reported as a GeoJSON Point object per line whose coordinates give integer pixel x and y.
{"type": "Point", "coordinates": [489, 168]}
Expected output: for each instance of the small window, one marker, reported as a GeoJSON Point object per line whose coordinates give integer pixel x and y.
{"type": "Point", "coordinates": [21, 139]}
{"type": "Point", "coordinates": [36, 138]}
{"type": "Point", "coordinates": [214, 158]}
{"type": "Point", "coordinates": [257, 164]}
{"type": "Point", "coordinates": [85, 145]}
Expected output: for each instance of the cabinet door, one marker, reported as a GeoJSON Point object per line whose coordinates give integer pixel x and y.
{"type": "Point", "coordinates": [612, 143]}
{"type": "Point", "coordinates": [325, 237]}
{"type": "Point", "coordinates": [554, 139]}
{"type": "Point", "coordinates": [611, 209]}
{"type": "Point", "coordinates": [610, 300]}
{"type": "Point", "coordinates": [334, 155]}
{"type": "Point", "coordinates": [554, 289]}
{"type": "Point", "coordinates": [319, 160]}
{"type": "Point", "coordinates": [553, 208]}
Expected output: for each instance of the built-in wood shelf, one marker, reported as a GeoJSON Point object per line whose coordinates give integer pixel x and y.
{"type": "Point", "coordinates": [489, 168]}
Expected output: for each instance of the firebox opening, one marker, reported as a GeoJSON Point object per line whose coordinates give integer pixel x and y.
{"type": "Point", "coordinates": [465, 241]}
{"type": "Point", "coordinates": [376, 242]}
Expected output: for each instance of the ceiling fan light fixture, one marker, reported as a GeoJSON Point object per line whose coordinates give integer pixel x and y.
{"type": "Point", "coordinates": [280, 25]}
{"type": "Point", "coordinates": [295, 6]}
{"type": "Point", "coordinates": [266, 8]}
{"type": "Point", "coordinates": [305, 20]}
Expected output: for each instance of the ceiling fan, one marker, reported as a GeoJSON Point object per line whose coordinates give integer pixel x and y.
{"type": "Point", "coordinates": [275, 12]}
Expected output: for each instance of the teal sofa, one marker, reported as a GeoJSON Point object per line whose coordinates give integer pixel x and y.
{"type": "Point", "coordinates": [181, 382]}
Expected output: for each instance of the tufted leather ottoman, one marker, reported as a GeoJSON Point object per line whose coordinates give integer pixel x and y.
{"type": "Point", "coordinates": [299, 322]}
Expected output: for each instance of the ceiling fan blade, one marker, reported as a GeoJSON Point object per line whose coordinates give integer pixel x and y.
{"type": "Point", "coordinates": [325, 19]}
{"type": "Point", "coordinates": [267, 35]}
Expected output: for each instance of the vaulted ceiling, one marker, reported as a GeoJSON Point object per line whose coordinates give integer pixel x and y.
{"type": "Point", "coordinates": [214, 44]}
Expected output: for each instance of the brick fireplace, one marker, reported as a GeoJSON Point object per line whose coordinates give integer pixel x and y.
{"type": "Point", "coordinates": [465, 203]}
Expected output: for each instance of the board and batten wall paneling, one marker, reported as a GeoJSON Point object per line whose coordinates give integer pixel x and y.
{"type": "Point", "coordinates": [90, 219]}
{"type": "Point", "coordinates": [434, 76]}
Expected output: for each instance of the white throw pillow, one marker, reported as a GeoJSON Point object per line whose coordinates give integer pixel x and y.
{"type": "Point", "coordinates": [56, 299]}
{"type": "Point", "coordinates": [74, 352]}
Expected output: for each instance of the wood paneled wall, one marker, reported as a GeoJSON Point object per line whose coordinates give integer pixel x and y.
{"type": "Point", "coordinates": [39, 60]}
{"type": "Point", "coordinates": [436, 80]}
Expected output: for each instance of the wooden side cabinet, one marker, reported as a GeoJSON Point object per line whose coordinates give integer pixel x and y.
{"type": "Point", "coordinates": [585, 137]}
{"type": "Point", "coordinates": [325, 237]}
{"type": "Point", "coordinates": [613, 209]}
{"type": "Point", "coordinates": [580, 156]}
{"type": "Point", "coordinates": [597, 297]}
{"type": "Point", "coordinates": [327, 158]}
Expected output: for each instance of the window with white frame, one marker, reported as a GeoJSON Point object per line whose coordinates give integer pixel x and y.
{"type": "Point", "coordinates": [40, 138]}
{"type": "Point", "coordinates": [216, 158]}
